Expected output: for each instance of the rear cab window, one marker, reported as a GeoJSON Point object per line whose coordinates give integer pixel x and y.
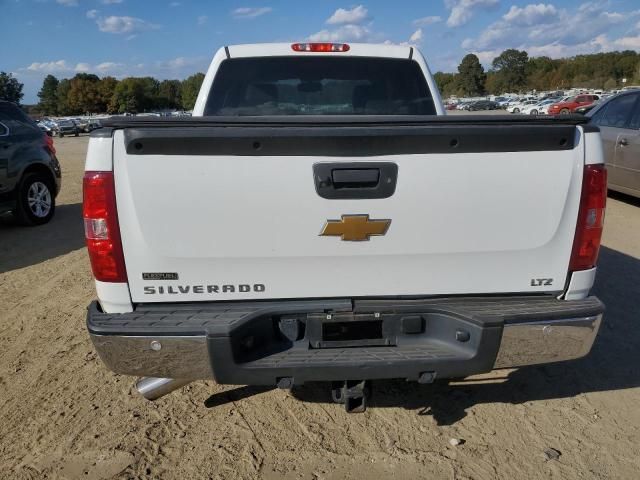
{"type": "Point", "coordinates": [316, 85]}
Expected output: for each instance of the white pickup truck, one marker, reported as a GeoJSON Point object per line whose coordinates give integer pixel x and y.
{"type": "Point", "coordinates": [319, 218]}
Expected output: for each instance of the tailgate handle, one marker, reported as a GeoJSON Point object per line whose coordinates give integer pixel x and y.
{"type": "Point", "coordinates": [355, 180]}
{"type": "Point", "coordinates": [355, 177]}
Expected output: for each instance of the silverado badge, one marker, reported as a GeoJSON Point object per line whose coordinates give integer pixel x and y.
{"type": "Point", "coordinates": [355, 228]}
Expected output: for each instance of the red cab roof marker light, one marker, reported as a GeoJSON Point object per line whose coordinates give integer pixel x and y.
{"type": "Point", "coordinates": [322, 47]}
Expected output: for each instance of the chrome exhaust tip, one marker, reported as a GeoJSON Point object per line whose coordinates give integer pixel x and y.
{"type": "Point", "coordinates": [153, 388]}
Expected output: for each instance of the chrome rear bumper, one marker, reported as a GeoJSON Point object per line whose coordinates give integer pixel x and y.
{"type": "Point", "coordinates": [196, 343]}
{"type": "Point", "coordinates": [548, 341]}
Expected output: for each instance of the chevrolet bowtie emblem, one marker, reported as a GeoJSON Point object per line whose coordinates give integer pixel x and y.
{"type": "Point", "coordinates": [355, 228]}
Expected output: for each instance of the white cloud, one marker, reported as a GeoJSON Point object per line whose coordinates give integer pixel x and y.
{"type": "Point", "coordinates": [462, 10]}
{"type": "Point", "coordinates": [630, 43]}
{"type": "Point", "coordinates": [175, 4]}
{"type": "Point", "coordinates": [349, 27]}
{"type": "Point", "coordinates": [531, 14]}
{"type": "Point", "coordinates": [424, 21]}
{"type": "Point", "coordinates": [202, 19]}
{"type": "Point", "coordinates": [92, 14]}
{"type": "Point", "coordinates": [344, 33]}
{"type": "Point", "coordinates": [64, 67]}
{"type": "Point", "coordinates": [341, 16]}
{"type": "Point", "coordinates": [179, 67]}
{"type": "Point", "coordinates": [119, 25]}
{"type": "Point", "coordinates": [110, 2]}
{"type": "Point", "coordinates": [49, 67]}
{"type": "Point", "coordinates": [68, 3]}
{"type": "Point", "coordinates": [558, 49]}
{"type": "Point", "coordinates": [543, 29]}
{"type": "Point", "coordinates": [250, 12]}
{"type": "Point", "coordinates": [416, 37]}
{"type": "Point", "coordinates": [179, 62]}
{"type": "Point", "coordinates": [107, 67]}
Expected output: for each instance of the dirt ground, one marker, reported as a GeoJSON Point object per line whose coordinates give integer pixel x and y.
{"type": "Point", "coordinates": [64, 415]}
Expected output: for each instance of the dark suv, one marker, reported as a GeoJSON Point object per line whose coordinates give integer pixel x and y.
{"type": "Point", "coordinates": [29, 169]}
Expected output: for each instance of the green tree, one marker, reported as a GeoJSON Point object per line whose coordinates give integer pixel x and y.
{"type": "Point", "coordinates": [48, 96]}
{"type": "Point", "coordinates": [106, 89]}
{"type": "Point", "coordinates": [491, 85]}
{"type": "Point", "coordinates": [610, 84]}
{"type": "Point", "coordinates": [84, 96]}
{"type": "Point", "coordinates": [636, 75]}
{"type": "Point", "coordinates": [189, 90]}
{"type": "Point", "coordinates": [471, 77]}
{"type": "Point", "coordinates": [10, 88]}
{"type": "Point", "coordinates": [62, 94]}
{"type": "Point", "coordinates": [134, 95]}
{"type": "Point", "coordinates": [446, 84]}
{"type": "Point", "coordinates": [511, 69]}
{"type": "Point", "coordinates": [169, 94]}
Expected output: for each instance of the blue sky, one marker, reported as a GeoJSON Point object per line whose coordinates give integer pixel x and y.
{"type": "Point", "coordinates": [174, 38]}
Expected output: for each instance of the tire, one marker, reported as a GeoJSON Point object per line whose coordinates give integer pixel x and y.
{"type": "Point", "coordinates": [516, 110]}
{"type": "Point", "coordinates": [534, 112]}
{"type": "Point", "coordinates": [60, 134]}
{"type": "Point", "coordinates": [36, 203]}
{"type": "Point", "coordinates": [75, 134]}
{"type": "Point", "coordinates": [564, 111]}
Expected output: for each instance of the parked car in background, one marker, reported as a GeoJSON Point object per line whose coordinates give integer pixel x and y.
{"type": "Point", "coordinates": [93, 124]}
{"type": "Point", "coordinates": [67, 127]}
{"type": "Point", "coordinates": [618, 118]}
{"type": "Point", "coordinates": [82, 124]}
{"type": "Point", "coordinates": [517, 107]}
{"type": "Point", "coordinates": [483, 105]}
{"type": "Point", "coordinates": [585, 109]}
{"type": "Point", "coordinates": [45, 128]}
{"type": "Point", "coordinates": [50, 124]}
{"type": "Point", "coordinates": [29, 169]}
{"type": "Point", "coordinates": [569, 106]}
{"type": "Point", "coordinates": [505, 102]}
{"type": "Point", "coordinates": [539, 108]}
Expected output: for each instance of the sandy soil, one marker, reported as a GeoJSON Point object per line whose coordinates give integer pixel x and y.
{"type": "Point", "coordinates": [64, 415]}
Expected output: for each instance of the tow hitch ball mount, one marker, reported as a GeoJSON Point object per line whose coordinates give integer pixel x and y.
{"type": "Point", "coordinates": [352, 393]}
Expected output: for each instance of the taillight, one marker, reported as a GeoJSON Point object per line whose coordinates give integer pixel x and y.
{"type": "Point", "coordinates": [320, 47]}
{"type": "Point", "coordinates": [586, 244]}
{"type": "Point", "coordinates": [101, 228]}
{"type": "Point", "coordinates": [48, 143]}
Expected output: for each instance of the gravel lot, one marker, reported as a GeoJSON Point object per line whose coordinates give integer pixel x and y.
{"type": "Point", "coordinates": [63, 415]}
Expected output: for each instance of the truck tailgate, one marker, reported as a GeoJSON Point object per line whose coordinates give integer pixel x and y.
{"type": "Point", "coordinates": [210, 212]}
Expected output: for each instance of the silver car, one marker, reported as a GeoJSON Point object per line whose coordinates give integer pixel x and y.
{"type": "Point", "coordinates": [619, 120]}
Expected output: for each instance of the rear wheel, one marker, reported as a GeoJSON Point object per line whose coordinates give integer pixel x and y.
{"type": "Point", "coordinates": [564, 111]}
{"type": "Point", "coordinates": [534, 112]}
{"type": "Point", "coordinates": [516, 110]}
{"type": "Point", "coordinates": [36, 203]}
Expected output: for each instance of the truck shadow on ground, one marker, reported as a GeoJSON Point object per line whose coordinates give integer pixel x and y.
{"type": "Point", "coordinates": [612, 364]}
{"type": "Point", "coordinates": [623, 197]}
{"type": "Point", "coordinates": [25, 246]}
